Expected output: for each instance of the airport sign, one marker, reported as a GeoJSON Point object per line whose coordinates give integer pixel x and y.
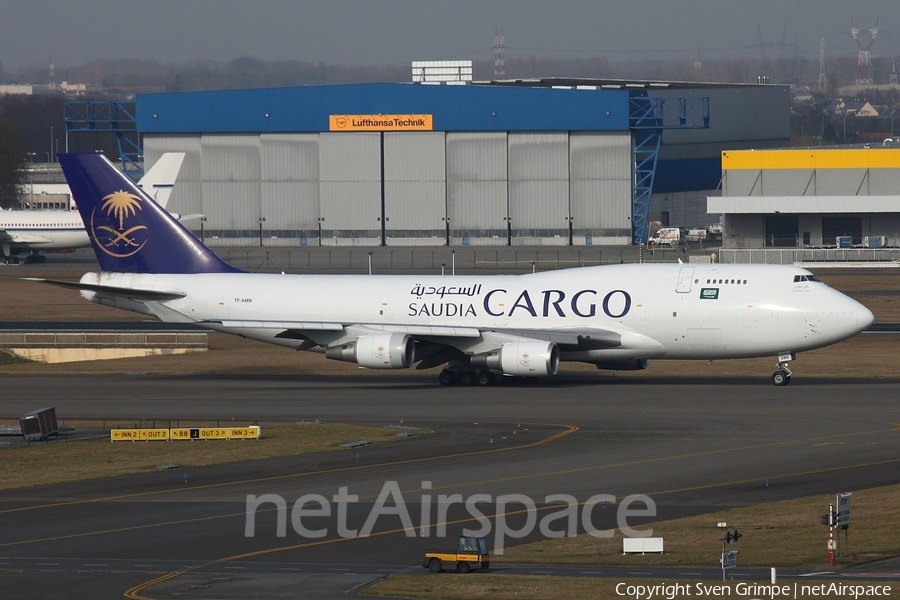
{"type": "Point", "coordinates": [842, 503]}
{"type": "Point", "coordinates": [251, 432]}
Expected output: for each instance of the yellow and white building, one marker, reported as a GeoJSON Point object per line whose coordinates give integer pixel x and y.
{"type": "Point", "coordinates": [810, 197]}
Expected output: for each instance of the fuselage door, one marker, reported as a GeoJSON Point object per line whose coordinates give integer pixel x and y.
{"type": "Point", "coordinates": [685, 275]}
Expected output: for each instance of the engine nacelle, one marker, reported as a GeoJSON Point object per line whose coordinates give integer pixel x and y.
{"type": "Point", "coordinates": [380, 351]}
{"type": "Point", "coordinates": [525, 359]}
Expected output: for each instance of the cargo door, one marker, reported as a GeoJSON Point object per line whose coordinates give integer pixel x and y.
{"type": "Point", "coordinates": [705, 339]}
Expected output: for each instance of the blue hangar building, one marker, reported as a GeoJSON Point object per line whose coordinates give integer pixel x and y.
{"type": "Point", "coordinates": [525, 162]}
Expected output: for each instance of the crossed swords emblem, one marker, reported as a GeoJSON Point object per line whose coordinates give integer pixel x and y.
{"type": "Point", "coordinates": [119, 205]}
{"type": "Point", "coordinates": [121, 236]}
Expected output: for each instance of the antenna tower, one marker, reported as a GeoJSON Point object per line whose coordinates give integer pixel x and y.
{"type": "Point", "coordinates": [822, 82]}
{"type": "Point", "coordinates": [864, 74]}
{"type": "Point", "coordinates": [499, 55]}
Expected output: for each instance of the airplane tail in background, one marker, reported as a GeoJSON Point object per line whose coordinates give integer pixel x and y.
{"type": "Point", "coordinates": [159, 180]}
{"type": "Point", "coordinates": [129, 231]}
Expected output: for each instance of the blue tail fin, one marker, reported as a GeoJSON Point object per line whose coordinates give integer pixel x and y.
{"type": "Point", "coordinates": [130, 232]}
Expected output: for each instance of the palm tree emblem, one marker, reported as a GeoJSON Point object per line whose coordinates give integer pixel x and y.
{"type": "Point", "coordinates": [120, 204]}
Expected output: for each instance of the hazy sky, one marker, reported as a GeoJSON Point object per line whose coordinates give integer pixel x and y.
{"type": "Point", "coordinates": [395, 32]}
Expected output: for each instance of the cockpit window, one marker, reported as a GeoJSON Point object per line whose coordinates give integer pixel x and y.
{"type": "Point", "coordinates": [799, 278]}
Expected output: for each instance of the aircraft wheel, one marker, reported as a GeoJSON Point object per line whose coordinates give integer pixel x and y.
{"type": "Point", "coordinates": [434, 565]}
{"type": "Point", "coordinates": [780, 378]}
{"type": "Point", "coordinates": [486, 378]}
{"type": "Point", "coordinates": [463, 567]}
{"type": "Point", "coordinates": [466, 378]}
{"type": "Point", "coordinates": [446, 377]}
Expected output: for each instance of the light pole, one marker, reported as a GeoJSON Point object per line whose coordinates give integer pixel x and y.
{"type": "Point", "coordinates": [31, 178]}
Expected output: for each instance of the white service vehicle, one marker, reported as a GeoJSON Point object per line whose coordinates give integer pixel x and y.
{"type": "Point", "coordinates": [667, 236]}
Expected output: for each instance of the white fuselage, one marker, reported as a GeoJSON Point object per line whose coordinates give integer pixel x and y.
{"type": "Point", "coordinates": [659, 311]}
{"type": "Point", "coordinates": [44, 229]}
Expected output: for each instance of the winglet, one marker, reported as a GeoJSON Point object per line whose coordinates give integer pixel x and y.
{"type": "Point", "coordinates": [128, 230]}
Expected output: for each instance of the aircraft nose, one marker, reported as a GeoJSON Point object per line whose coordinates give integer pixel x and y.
{"type": "Point", "coordinates": [864, 317]}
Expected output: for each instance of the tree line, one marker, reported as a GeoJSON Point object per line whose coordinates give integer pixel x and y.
{"type": "Point", "coordinates": [33, 127]}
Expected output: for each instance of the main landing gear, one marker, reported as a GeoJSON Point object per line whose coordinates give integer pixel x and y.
{"type": "Point", "coordinates": [783, 375]}
{"type": "Point", "coordinates": [463, 376]}
{"type": "Point", "coordinates": [35, 258]}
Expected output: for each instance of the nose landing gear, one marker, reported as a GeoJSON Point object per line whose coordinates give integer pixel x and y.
{"type": "Point", "coordinates": [783, 375]}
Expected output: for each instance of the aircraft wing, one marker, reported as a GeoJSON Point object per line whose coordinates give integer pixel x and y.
{"type": "Point", "coordinates": [599, 338]}
{"type": "Point", "coordinates": [23, 238]}
{"type": "Point", "coordinates": [312, 329]}
{"type": "Point", "coordinates": [461, 339]}
{"type": "Point", "coordinates": [580, 339]}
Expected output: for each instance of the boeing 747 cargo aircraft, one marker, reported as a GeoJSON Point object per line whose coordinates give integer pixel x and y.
{"type": "Point", "coordinates": [614, 317]}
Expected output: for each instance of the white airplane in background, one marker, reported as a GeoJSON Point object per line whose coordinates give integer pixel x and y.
{"type": "Point", "coordinates": [40, 230]}
{"type": "Point", "coordinates": [615, 317]}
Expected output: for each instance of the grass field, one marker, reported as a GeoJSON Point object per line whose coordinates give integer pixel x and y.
{"type": "Point", "coordinates": [784, 534]}
{"type": "Point", "coordinates": [43, 464]}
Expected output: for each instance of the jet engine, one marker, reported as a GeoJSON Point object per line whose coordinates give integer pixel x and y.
{"type": "Point", "coordinates": [526, 359]}
{"type": "Point", "coordinates": [380, 351]}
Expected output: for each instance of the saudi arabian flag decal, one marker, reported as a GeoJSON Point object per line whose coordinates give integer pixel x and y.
{"type": "Point", "coordinates": [709, 294]}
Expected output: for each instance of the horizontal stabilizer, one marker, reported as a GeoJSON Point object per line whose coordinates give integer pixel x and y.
{"type": "Point", "coordinates": [190, 217]}
{"type": "Point", "coordinates": [131, 293]}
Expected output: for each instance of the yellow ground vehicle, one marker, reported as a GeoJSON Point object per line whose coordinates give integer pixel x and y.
{"type": "Point", "coordinates": [471, 553]}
